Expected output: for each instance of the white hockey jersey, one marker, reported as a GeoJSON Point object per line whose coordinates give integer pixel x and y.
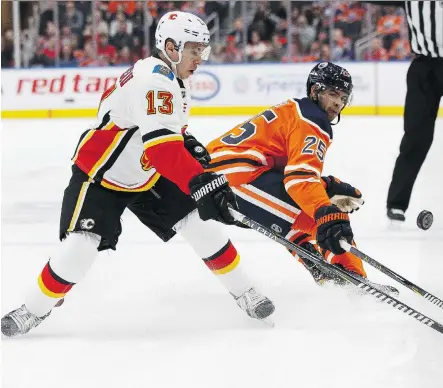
{"type": "Point", "coordinates": [147, 107]}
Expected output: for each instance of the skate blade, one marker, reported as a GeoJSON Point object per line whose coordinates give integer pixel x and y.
{"type": "Point", "coordinates": [268, 322]}
{"type": "Point", "coordinates": [395, 225]}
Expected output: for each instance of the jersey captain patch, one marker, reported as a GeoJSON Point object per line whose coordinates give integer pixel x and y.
{"type": "Point", "coordinates": [167, 72]}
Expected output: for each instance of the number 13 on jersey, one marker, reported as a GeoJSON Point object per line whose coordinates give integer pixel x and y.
{"type": "Point", "coordinates": [164, 106]}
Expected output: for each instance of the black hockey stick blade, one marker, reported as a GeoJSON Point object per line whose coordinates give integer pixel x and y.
{"type": "Point", "coordinates": [393, 275]}
{"type": "Point", "coordinates": [360, 283]}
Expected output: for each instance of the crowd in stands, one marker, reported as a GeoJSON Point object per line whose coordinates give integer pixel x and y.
{"type": "Point", "coordinates": [103, 33]}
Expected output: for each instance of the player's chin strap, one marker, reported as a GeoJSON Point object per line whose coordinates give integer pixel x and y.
{"type": "Point", "coordinates": [338, 120]}
{"type": "Point", "coordinates": [173, 63]}
{"type": "Point", "coordinates": [316, 101]}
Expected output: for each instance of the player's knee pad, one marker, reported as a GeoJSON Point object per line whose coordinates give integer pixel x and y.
{"type": "Point", "coordinates": [206, 237]}
{"type": "Point", "coordinates": [75, 255]}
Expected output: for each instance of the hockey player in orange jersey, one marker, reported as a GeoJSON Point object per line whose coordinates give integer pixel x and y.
{"type": "Point", "coordinates": [274, 164]}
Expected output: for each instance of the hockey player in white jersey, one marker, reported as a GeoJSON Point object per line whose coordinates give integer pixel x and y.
{"type": "Point", "coordinates": [137, 156]}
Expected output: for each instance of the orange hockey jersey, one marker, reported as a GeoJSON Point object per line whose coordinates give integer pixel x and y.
{"type": "Point", "coordinates": [292, 137]}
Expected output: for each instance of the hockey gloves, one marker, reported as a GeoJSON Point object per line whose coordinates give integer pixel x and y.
{"type": "Point", "coordinates": [332, 226]}
{"type": "Point", "coordinates": [343, 195]}
{"type": "Point", "coordinates": [196, 149]}
{"type": "Point", "coordinates": [214, 197]}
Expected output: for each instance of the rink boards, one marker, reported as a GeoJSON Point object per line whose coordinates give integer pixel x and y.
{"type": "Point", "coordinates": [217, 90]}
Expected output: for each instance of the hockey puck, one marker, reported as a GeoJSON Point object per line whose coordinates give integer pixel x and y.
{"type": "Point", "coordinates": [425, 219]}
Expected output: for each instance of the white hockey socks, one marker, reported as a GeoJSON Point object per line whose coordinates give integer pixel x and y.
{"type": "Point", "coordinates": [64, 269]}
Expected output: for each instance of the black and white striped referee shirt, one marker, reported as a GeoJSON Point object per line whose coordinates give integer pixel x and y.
{"type": "Point", "coordinates": [425, 23]}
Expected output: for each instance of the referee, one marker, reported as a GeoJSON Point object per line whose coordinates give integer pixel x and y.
{"type": "Point", "coordinates": [424, 91]}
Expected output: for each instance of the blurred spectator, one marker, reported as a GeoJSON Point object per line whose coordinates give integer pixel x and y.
{"type": "Point", "coordinates": [237, 32]}
{"type": "Point", "coordinates": [294, 53]}
{"type": "Point", "coordinates": [342, 46]}
{"type": "Point", "coordinates": [8, 49]}
{"type": "Point", "coordinates": [101, 25]}
{"type": "Point", "coordinates": [105, 50]}
{"type": "Point", "coordinates": [217, 54]}
{"type": "Point", "coordinates": [315, 52]}
{"type": "Point", "coordinates": [401, 49]}
{"type": "Point", "coordinates": [256, 50]}
{"type": "Point", "coordinates": [74, 41]}
{"type": "Point", "coordinates": [138, 51]}
{"type": "Point", "coordinates": [65, 34]}
{"type": "Point", "coordinates": [324, 53]}
{"type": "Point", "coordinates": [389, 25]}
{"type": "Point", "coordinates": [276, 50]}
{"type": "Point", "coordinates": [304, 32]}
{"type": "Point", "coordinates": [27, 47]}
{"type": "Point", "coordinates": [232, 53]}
{"type": "Point", "coordinates": [376, 52]}
{"type": "Point", "coordinates": [262, 23]}
{"type": "Point", "coordinates": [46, 14]}
{"type": "Point", "coordinates": [315, 14]}
{"type": "Point", "coordinates": [67, 58]}
{"type": "Point", "coordinates": [120, 19]}
{"type": "Point", "coordinates": [128, 7]}
{"type": "Point", "coordinates": [124, 56]}
{"type": "Point", "coordinates": [72, 18]}
{"type": "Point", "coordinates": [40, 59]}
{"type": "Point", "coordinates": [221, 8]}
{"type": "Point", "coordinates": [138, 21]}
{"type": "Point", "coordinates": [88, 57]}
{"type": "Point", "coordinates": [121, 38]}
{"type": "Point", "coordinates": [127, 25]}
{"type": "Point", "coordinates": [50, 51]}
{"type": "Point", "coordinates": [348, 17]}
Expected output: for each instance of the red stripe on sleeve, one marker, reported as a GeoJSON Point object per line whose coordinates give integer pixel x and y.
{"type": "Point", "coordinates": [174, 162]}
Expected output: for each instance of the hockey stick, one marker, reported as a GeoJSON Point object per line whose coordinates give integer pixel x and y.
{"type": "Point", "coordinates": [360, 283]}
{"type": "Point", "coordinates": [400, 279]}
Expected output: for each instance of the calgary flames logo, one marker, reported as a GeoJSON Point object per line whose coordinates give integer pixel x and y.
{"type": "Point", "coordinates": [145, 162]}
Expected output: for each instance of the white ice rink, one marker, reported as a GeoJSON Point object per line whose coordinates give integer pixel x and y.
{"type": "Point", "coordinates": [152, 315]}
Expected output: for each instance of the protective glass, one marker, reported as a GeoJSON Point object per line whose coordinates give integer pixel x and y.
{"type": "Point", "coordinates": [346, 99]}
{"type": "Point", "coordinates": [196, 51]}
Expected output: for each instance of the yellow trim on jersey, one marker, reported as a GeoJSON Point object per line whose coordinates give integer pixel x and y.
{"type": "Point", "coordinates": [228, 268]}
{"type": "Point", "coordinates": [152, 181]}
{"type": "Point", "coordinates": [163, 139]}
{"type": "Point", "coordinates": [79, 204]}
{"type": "Point", "coordinates": [109, 126]}
{"type": "Point", "coordinates": [46, 291]}
{"type": "Point", "coordinates": [105, 155]}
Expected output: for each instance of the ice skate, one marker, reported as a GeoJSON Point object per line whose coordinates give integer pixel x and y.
{"type": "Point", "coordinates": [256, 305]}
{"type": "Point", "coordinates": [20, 321]}
{"type": "Point", "coordinates": [396, 215]}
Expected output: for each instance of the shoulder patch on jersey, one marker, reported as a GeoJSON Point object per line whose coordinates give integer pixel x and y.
{"type": "Point", "coordinates": [164, 70]}
{"type": "Point", "coordinates": [312, 112]}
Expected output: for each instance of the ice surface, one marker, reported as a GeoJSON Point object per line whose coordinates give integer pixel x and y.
{"type": "Point", "coordinates": [151, 314]}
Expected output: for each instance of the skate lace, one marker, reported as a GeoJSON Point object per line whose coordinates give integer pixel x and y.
{"type": "Point", "coordinates": [24, 319]}
{"type": "Point", "coordinates": [254, 297]}
{"type": "Point", "coordinates": [251, 299]}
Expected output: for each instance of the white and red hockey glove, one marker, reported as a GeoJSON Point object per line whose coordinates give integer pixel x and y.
{"type": "Point", "coordinates": [346, 197]}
